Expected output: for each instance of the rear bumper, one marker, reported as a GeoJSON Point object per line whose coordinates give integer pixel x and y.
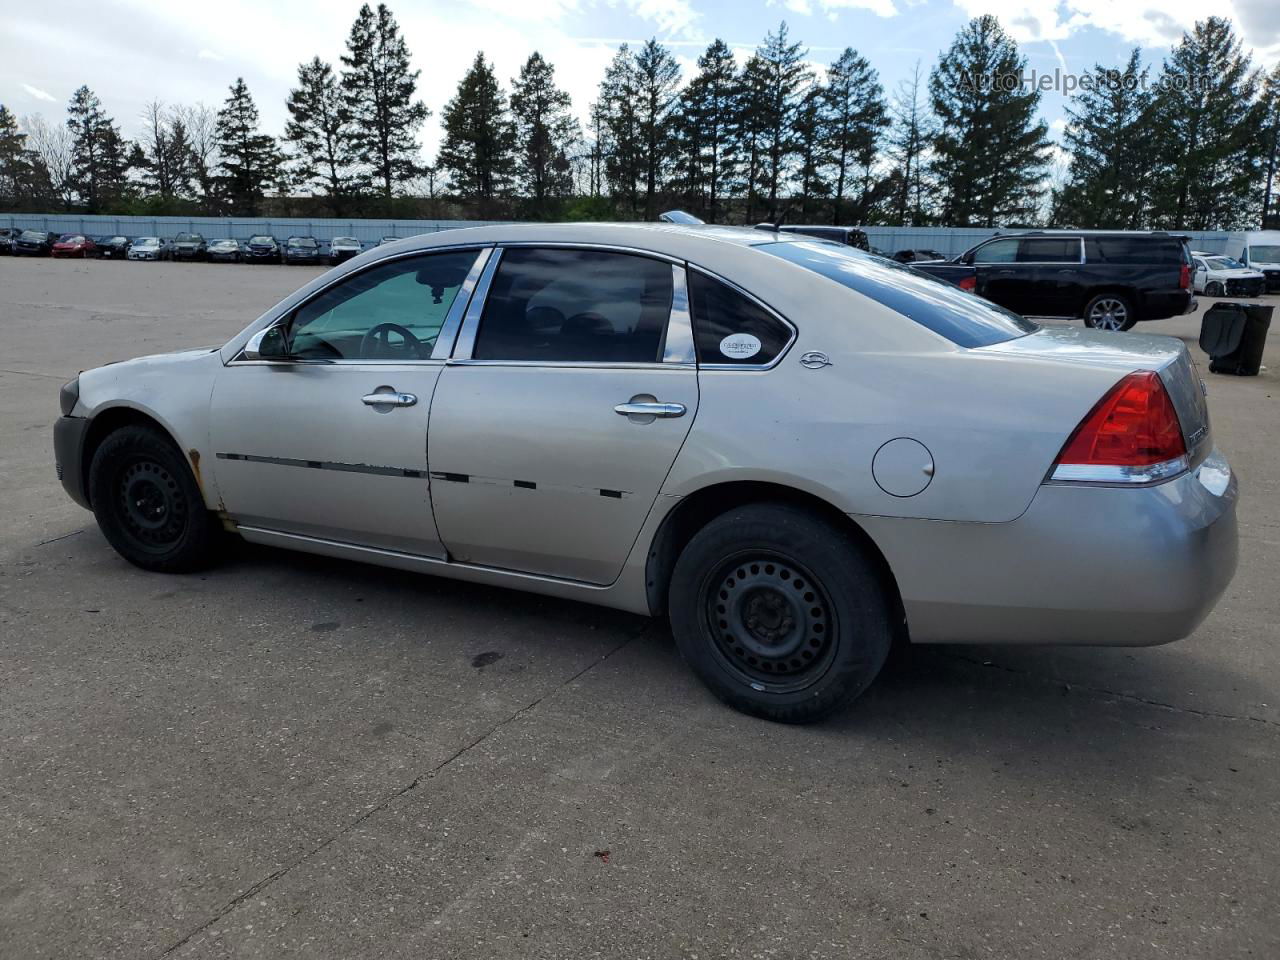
{"type": "Point", "coordinates": [1083, 565]}
{"type": "Point", "coordinates": [68, 454]}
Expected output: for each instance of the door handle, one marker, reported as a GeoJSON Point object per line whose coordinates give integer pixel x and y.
{"type": "Point", "coordinates": [389, 399]}
{"type": "Point", "coordinates": [650, 409]}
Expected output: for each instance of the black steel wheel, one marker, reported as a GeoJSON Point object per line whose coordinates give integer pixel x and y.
{"type": "Point", "coordinates": [780, 613]}
{"type": "Point", "coordinates": [148, 504]}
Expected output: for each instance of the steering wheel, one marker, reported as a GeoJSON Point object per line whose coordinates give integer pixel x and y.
{"type": "Point", "coordinates": [376, 343]}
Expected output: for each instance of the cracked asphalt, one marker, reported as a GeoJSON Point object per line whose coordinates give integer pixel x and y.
{"type": "Point", "coordinates": [290, 756]}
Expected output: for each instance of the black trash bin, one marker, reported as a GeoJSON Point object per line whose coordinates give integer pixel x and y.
{"type": "Point", "coordinates": [1234, 335]}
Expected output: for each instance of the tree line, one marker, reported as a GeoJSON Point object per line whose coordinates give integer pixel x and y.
{"type": "Point", "coordinates": [1190, 145]}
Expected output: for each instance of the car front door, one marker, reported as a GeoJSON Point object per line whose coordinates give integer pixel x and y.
{"type": "Point", "coordinates": [331, 441]}
{"type": "Point", "coordinates": [572, 388]}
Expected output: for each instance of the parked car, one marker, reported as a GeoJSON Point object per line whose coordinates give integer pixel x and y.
{"type": "Point", "coordinates": [35, 243]}
{"type": "Point", "coordinates": [915, 256]}
{"type": "Point", "coordinates": [849, 236]}
{"type": "Point", "coordinates": [189, 246]}
{"type": "Point", "coordinates": [1112, 280]}
{"type": "Point", "coordinates": [627, 417]}
{"type": "Point", "coordinates": [113, 248]}
{"type": "Point", "coordinates": [1216, 276]}
{"type": "Point", "coordinates": [262, 249]}
{"type": "Point", "coordinates": [148, 248]}
{"type": "Point", "coordinates": [8, 237]}
{"type": "Point", "coordinates": [343, 248]}
{"type": "Point", "coordinates": [225, 250]}
{"type": "Point", "coordinates": [74, 245]}
{"type": "Point", "coordinates": [302, 250]}
{"type": "Point", "coordinates": [385, 240]}
{"type": "Point", "coordinates": [1260, 250]}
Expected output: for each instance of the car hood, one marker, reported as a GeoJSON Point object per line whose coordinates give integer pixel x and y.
{"type": "Point", "coordinates": [1242, 273]}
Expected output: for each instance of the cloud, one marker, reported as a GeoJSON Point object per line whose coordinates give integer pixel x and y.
{"type": "Point", "coordinates": [38, 94]}
{"type": "Point", "coordinates": [209, 55]}
{"type": "Point", "coordinates": [881, 8]}
{"type": "Point", "coordinates": [673, 17]}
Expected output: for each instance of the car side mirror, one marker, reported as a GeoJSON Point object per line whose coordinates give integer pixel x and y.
{"type": "Point", "coordinates": [268, 344]}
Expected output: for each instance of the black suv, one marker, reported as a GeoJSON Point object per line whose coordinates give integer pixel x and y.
{"type": "Point", "coordinates": [190, 246]}
{"type": "Point", "coordinates": [262, 249]}
{"type": "Point", "coordinates": [1111, 280]}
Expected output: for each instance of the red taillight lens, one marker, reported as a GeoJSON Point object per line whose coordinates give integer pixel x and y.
{"type": "Point", "coordinates": [1133, 427]}
{"type": "Point", "coordinates": [969, 283]}
{"type": "Point", "coordinates": [1184, 279]}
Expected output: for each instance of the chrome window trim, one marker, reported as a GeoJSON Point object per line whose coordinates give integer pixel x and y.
{"type": "Point", "coordinates": [786, 347]}
{"type": "Point", "coordinates": [448, 334]}
{"type": "Point", "coordinates": [466, 342]}
{"type": "Point", "coordinates": [1072, 473]}
{"type": "Point", "coordinates": [678, 355]}
{"type": "Point", "coordinates": [677, 344]}
{"type": "Point", "coordinates": [289, 308]}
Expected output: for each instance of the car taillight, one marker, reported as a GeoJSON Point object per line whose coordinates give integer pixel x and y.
{"type": "Point", "coordinates": [969, 283]}
{"type": "Point", "coordinates": [1184, 280]}
{"type": "Point", "coordinates": [1132, 435]}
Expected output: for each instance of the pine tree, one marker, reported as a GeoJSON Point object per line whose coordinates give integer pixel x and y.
{"type": "Point", "coordinates": [817, 157]}
{"type": "Point", "coordinates": [164, 152]}
{"type": "Point", "coordinates": [100, 154]}
{"type": "Point", "coordinates": [657, 78]}
{"type": "Point", "coordinates": [17, 163]}
{"type": "Point", "coordinates": [1270, 137]}
{"type": "Point", "coordinates": [856, 118]}
{"type": "Point", "coordinates": [707, 145]}
{"type": "Point", "coordinates": [545, 133]}
{"type": "Point", "coordinates": [779, 78]}
{"type": "Point", "coordinates": [319, 127]}
{"type": "Point", "coordinates": [480, 137]}
{"type": "Point", "coordinates": [1108, 137]}
{"type": "Point", "coordinates": [990, 152]}
{"type": "Point", "coordinates": [1207, 120]}
{"type": "Point", "coordinates": [910, 140]}
{"type": "Point", "coordinates": [250, 159]}
{"type": "Point", "coordinates": [379, 89]}
{"type": "Point", "coordinates": [621, 144]}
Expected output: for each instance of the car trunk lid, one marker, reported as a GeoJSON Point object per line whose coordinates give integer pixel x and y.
{"type": "Point", "coordinates": [1125, 353]}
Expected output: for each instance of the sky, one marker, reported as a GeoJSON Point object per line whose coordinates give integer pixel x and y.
{"type": "Point", "coordinates": [132, 52]}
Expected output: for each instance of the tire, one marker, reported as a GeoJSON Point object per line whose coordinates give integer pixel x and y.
{"type": "Point", "coordinates": [1214, 289]}
{"type": "Point", "coordinates": [147, 502]}
{"type": "Point", "coordinates": [779, 614]}
{"type": "Point", "coordinates": [1109, 311]}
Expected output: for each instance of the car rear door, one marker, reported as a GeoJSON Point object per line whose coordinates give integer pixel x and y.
{"type": "Point", "coordinates": [570, 392]}
{"type": "Point", "coordinates": [1053, 275]}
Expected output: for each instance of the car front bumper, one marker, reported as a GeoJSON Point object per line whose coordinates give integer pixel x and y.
{"type": "Point", "coordinates": [1084, 564]}
{"type": "Point", "coordinates": [68, 454]}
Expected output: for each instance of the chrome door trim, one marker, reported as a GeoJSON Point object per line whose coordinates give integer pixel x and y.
{"type": "Point", "coordinates": [466, 341]}
{"type": "Point", "coordinates": [289, 306]}
{"type": "Point", "coordinates": [655, 408]}
{"type": "Point", "coordinates": [582, 245]}
{"type": "Point", "coordinates": [571, 364]}
{"type": "Point", "coordinates": [678, 346]}
{"type": "Point", "coordinates": [453, 322]}
{"type": "Point", "coordinates": [389, 399]}
{"type": "Point", "coordinates": [786, 347]}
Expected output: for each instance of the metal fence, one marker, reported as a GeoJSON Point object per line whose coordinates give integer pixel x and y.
{"type": "Point", "coordinates": [948, 241]}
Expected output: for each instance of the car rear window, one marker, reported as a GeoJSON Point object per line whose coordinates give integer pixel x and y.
{"type": "Point", "coordinates": [963, 318]}
{"type": "Point", "coordinates": [1137, 250]}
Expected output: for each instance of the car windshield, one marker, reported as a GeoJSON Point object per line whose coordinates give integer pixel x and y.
{"type": "Point", "coordinates": [147, 242]}
{"type": "Point", "coordinates": [346, 241]}
{"type": "Point", "coordinates": [1222, 263]}
{"type": "Point", "coordinates": [118, 240]}
{"type": "Point", "coordinates": [261, 240]}
{"type": "Point", "coordinates": [188, 238]}
{"type": "Point", "coordinates": [71, 238]}
{"type": "Point", "coordinates": [1267, 254]}
{"type": "Point", "coordinates": [222, 243]}
{"type": "Point", "coordinates": [963, 318]}
{"type": "Point", "coordinates": [302, 242]}
{"type": "Point", "coordinates": [32, 235]}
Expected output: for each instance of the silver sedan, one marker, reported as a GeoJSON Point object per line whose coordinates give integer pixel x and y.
{"type": "Point", "coordinates": [798, 452]}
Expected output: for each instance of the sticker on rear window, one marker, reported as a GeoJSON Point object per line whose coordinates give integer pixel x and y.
{"type": "Point", "coordinates": [740, 346]}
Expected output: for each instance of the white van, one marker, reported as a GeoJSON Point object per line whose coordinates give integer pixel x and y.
{"type": "Point", "coordinates": [1259, 249]}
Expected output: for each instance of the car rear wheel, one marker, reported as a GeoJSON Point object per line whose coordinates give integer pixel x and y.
{"type": "Point", "coordinates": [1108, 311]}
{"type": "Point", "coordinates": [148, 504]}
{"type": "Point", "coordinates": [780, 614]}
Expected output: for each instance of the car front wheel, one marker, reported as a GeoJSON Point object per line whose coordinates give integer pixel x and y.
{"type": "Point", "coordinates": [148, 504]}
{"type": "Point", "coordinates": [1108, 311]}
{"type": "Point", "coordinates": [782, 615]}
{"type": "Point", "coordinates": [1213, 289]}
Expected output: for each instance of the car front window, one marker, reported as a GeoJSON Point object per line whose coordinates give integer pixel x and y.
{"type": "Point", "coordinates": [1266, 254]}
{"type": "Point", "coordinates": [963, 318]}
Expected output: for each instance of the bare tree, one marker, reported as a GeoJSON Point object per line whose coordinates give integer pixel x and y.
{"type": "Point", "coordinates": [53, 144]}
{"type": "Point", "coordinates": [201, 122]}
